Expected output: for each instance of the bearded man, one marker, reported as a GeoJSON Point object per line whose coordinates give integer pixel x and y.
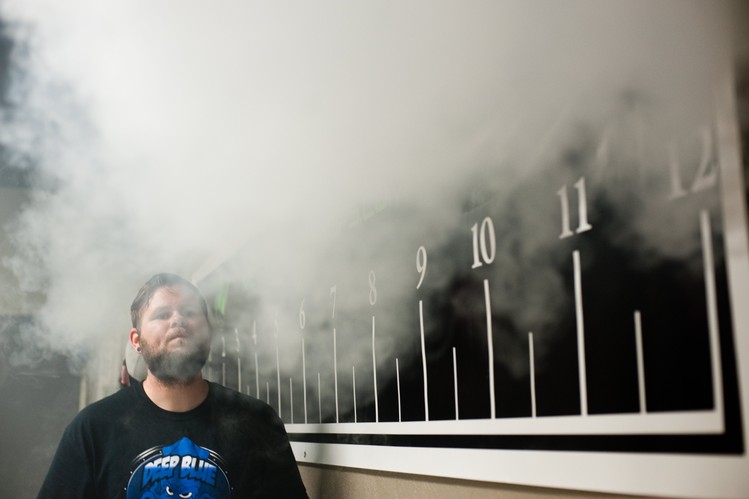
{"type": "Point", "coordinates": [175, 434]}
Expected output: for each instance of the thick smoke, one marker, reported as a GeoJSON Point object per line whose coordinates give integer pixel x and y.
{"type": "Point", "coordinates": [166, 134]}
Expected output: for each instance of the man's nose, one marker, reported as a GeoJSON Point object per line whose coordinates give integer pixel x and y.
{"type": "Point", "coordinates": [178, 319]}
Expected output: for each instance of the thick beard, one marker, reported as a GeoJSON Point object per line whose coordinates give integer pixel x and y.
{"type": "Point", "coordinates": [175, 368]}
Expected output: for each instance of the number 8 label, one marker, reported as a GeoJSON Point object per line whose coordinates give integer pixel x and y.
{"type": "Point", "coordinates": [372, 288]}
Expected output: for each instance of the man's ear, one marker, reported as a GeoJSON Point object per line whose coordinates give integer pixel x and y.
{"type": "Point", "coordinates": [135, 339]}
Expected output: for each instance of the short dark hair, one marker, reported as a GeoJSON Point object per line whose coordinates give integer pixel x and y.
{"type": "Point", "coordinates": [163, 280]}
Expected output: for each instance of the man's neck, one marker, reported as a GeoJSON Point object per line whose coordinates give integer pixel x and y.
{"type": "Point", "coordinates": [180, 397]}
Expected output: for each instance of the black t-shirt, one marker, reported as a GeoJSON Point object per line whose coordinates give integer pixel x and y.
{"type": "Point", "coordinates": [125, 446]}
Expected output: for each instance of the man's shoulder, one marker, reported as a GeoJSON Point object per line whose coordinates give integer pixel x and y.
{"type": "Point", "coordinates": [108, 406]}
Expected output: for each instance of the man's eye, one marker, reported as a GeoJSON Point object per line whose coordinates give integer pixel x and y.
{"type": "Point", "coordinates": [169, 491]}
{"type": "Point", "coordinates": [186, 495]}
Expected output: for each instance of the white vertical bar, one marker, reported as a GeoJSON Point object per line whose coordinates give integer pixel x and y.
{"type": "Point", "coordinates": [267, 391]}
{"type": "Point", "coordinates": [353, 374]}
{"type": "Point", "coordinates": [239, 373]}
{"type": "Point", "coordinates": [455, 382]}
{"type": "Point", "coordinates": [734, 215]}
{"type": "Point", "coordinates": [335, 375]}
{"type": "Point", "coordinates": [712, 309]}
{"type": "Point", "coordinates": [580, 334]}
{"type": "Point", "coordinates": [278, 377]}
{"type": "Point", "coordinates": [640, 362]}
{"type": "Point", "coordinates": [257, 372]}
{"type": "Point", "coordinates": [291, 399]}
{"type": "Point", "coordinates": [532, 361]}
{"type": "Point", "coordinates": [304, 381]}
{"type": "Point", "coordinates": [424, 361]}
{"type": "Point", "coordinates": [374, 372]}
{"type": "Point", "coordinates": [319, 399]}
{"type": "Point", "coordinates": [257, 377]}
{"type": "Point", "coordinates": [239, 362]}
{"type": "Point", "coordinates": [398, 383]}
{"type": "Point", "coordinates": [490, 345]}
{"type": "Point", "coordinates": [223, 360]}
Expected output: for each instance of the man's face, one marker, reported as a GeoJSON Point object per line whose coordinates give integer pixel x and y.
{"type": "Point", "coordinates": [174, 336]}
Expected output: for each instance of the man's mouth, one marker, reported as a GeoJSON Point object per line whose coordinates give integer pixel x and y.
{"type": "Point", "coordinates": [177, 334]}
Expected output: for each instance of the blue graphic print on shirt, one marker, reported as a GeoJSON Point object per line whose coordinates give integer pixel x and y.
{"type": "Point", "coordinates": [182, 470]}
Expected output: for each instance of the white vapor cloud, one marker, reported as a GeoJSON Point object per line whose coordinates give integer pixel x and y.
{"type": "Point", "coordinates": [165, 130]}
